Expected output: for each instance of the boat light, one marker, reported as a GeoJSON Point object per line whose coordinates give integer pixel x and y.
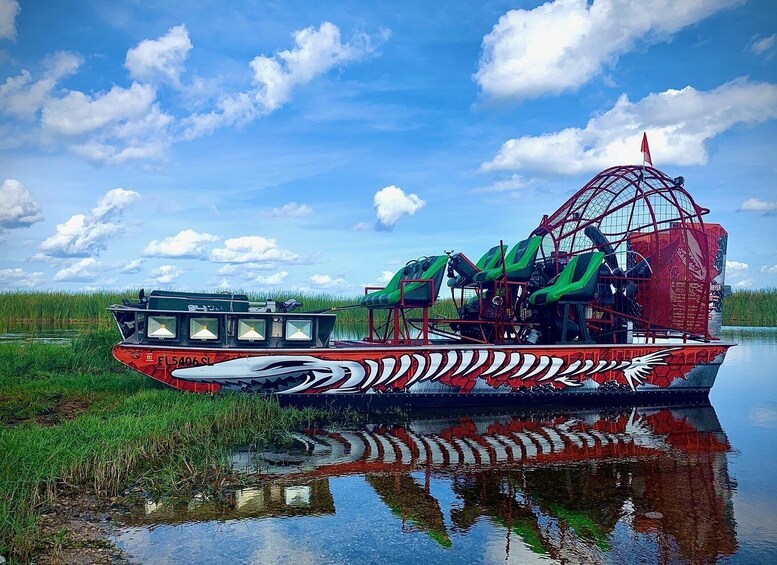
{"type": "Point", "coordinates": [203, 328]}
{"type": "Point", "coordinates": [251, 329]}
{"type": "Point", "coordinates": [299, 330]}
{"type": "Point", "coordinates": [162, 327]}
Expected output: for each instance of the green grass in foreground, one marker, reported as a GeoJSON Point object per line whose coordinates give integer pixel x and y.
{"type": "Point", "coordinates": [110, 427]}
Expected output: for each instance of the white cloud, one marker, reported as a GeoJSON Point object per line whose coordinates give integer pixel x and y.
{"type": "Point", "coordinates": [18, 208]}
{"type": "Point", "coordinates": [84, 270]}
{"type": "Point", "coordinates": [327, 281]}
{"type": "Point", "coordinates": [252, 249]}
{"type": "Point", "coordinates": [758, 205]}
{"type": "Point", "coordinates": [79, 113]}
{"type": "Point", "coordinates": [736, 266]}
{"type": "Point", "coordinates": [290, 210]}
{"type": "Point", "coordinates": [22, 98]}
{"type": "Point", "coordinates": [272, 280]}
{"type": "Point", "coordinates": [185, 244]}
{"type": "Point", "coordinates": [745, 283]}
{"type": "Point", "coordinates": [83, 235]}
{"type": "Point", "coordinates": [165, 274]}
{"type": "Point", "coordinates": [392, 203]}
{"type": "Point", "coordinates": [9, 9]}
{"type": "Point", "coordinates": [561, 45]}
{"type": "Point", "coordinates": [382, 280]}
{"type": "Point", "coordinates": [160, 59]}
{"type": "Point", "coordinates": [131, 267]}
{"type": "Point", "coordinates": [678, 122]}
{"type": "Point", "coordinates": [316, 52]}
{"type": "Point", "coordinates": [768, 269]}
{"type": "Point", "coordinates": [514, 183]}
{"type": "Point", "coordinates": [385, 276]}
{"type": "Point", "coordinates": [764, 45]}
{"type": "Point", "coordinates": [114, 127]}
{"type": "Point", "coordinates": [12, 279]}
{"type": "Point", "coordinates": [363, 226]}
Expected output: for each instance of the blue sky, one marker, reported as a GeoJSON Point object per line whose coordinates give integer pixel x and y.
{"type": "Point", "coordinates": [318, 146]}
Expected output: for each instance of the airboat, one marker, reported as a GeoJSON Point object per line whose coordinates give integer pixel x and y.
{"type": "Point", "coordinates": [616, 295]}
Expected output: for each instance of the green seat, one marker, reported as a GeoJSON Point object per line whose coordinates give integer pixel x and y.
{"type": "Point", "coordinates": [576, 283]}
{"type": "Point", "coordinates": [519, 263]}
{"type": "Point", "coordinates": [415, 294]}
{"type": "Point", "coordinates": [492, 258]}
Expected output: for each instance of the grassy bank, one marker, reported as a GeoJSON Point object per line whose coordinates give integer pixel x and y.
{"type": "Point", "coordinates": [71, 421]}
{"type": "Point", "coordinates": [57, 309]}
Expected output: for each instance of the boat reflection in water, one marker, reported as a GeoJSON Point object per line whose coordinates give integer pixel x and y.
{"type": "Point", "coordinates": [574, 485]}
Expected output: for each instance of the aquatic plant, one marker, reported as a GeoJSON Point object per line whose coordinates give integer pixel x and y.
{"type": "Point", "coordinates": [751, 308]}
{"type": "Point", "coordinates": [62, 309]}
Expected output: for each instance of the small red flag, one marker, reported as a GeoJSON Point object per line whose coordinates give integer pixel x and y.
{"type": "Point", "coordinates": [646, 151]}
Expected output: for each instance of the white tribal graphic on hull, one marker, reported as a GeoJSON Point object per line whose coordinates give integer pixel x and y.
{"type": "Point", "coordinates": [306, 373]}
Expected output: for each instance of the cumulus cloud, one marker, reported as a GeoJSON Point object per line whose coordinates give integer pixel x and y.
{"type": "Point", "coordinates": [768, 269]}
{"type": "Point", "coordinates": [316, 52]}
{"type": "Point", "coordinates": [679, 124]}
{"type": "Point", "coordinates": [561, 45]}
{"type": "Point", "coordinates": [114, 127]}
{"type": "Point", "coordinates": [745, 283]}
{"type": "Point", "coordinates": [252, 249]}
{"type": "Point", "coordinates": [131, 267]}
{"type": "Point", "coordinates": [12, 279]}
{"type": "Point", "coordinates": [758, 205]}
{"type": "Point", "coordinates": [290, 210]}
{"type": "Point", "coordinates": [22, 97]}
{"type": "Point", "coordinates": [327, 281]}
{"type": "Point", "coordinates": [272, 280]}
{"type": "Point", "coordinates": [126, 124]}
{"type": "Point", "coordinates": [84, 270]}
{"type": "Point", "coordinates": [392, 204]}
{"type": "Point", "coordinates": [736, 266]}
{"type": "Point", "coordinates": [18, 208]}
{"type": "Point", "coordinates": [9, 9]}
{"type": "Point", "coordinates": [166, 274]}
{"type": "Point", "coordinates": [87, 234]}
{"type": "Point", "coordinates": [185, 244]}
{"type": "Point", "coordinates": [79, 113]}
{"type": "Point", "coordinates": [160, 59]}
{"type": "Point", "coordinates": [764, 45]}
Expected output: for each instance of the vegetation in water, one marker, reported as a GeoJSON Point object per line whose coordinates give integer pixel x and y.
{"type": "Point", "coordinates": [59, 309]}
{"type": "Point", "coordinates": [72, 420]}
{"type": "Point", "coordinates": [757, 308]}
{"type": "Point", "coordinates": [47, 309]}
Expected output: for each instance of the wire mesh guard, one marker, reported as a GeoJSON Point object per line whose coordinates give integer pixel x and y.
{"type": "Point", "coordinates": [660, 256]}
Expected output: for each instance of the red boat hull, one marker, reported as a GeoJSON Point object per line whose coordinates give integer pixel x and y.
{"type": "Point", "coordinates": [446, 370]}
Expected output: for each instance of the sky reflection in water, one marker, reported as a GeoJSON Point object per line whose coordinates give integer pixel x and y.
{"type": "Point", "coordinates": [634, 484]}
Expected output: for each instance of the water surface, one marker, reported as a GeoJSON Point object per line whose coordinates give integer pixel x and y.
{"type": "Point", "coordinates": [628, 484]}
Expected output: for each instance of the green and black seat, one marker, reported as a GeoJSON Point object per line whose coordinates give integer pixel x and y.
{"type": "Point", "coordinates": [466, 270]}
{"type": "Point", "coordinates": [575, 286]}
{"type": "Point", "coordinates": [518, 263]}
{"type": "Point", "coordinates": [426, 276]}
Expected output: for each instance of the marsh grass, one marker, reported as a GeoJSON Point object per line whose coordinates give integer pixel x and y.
{"type": "Point", "coordinates": [48, 310]}
{"type": "Point", "coordinates": [129, 431]}
{"type": "Point", "coordinates": [751, 308]}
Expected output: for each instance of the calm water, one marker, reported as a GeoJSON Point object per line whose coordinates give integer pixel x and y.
{"type": "Point", "coordinates": [634, 484]}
